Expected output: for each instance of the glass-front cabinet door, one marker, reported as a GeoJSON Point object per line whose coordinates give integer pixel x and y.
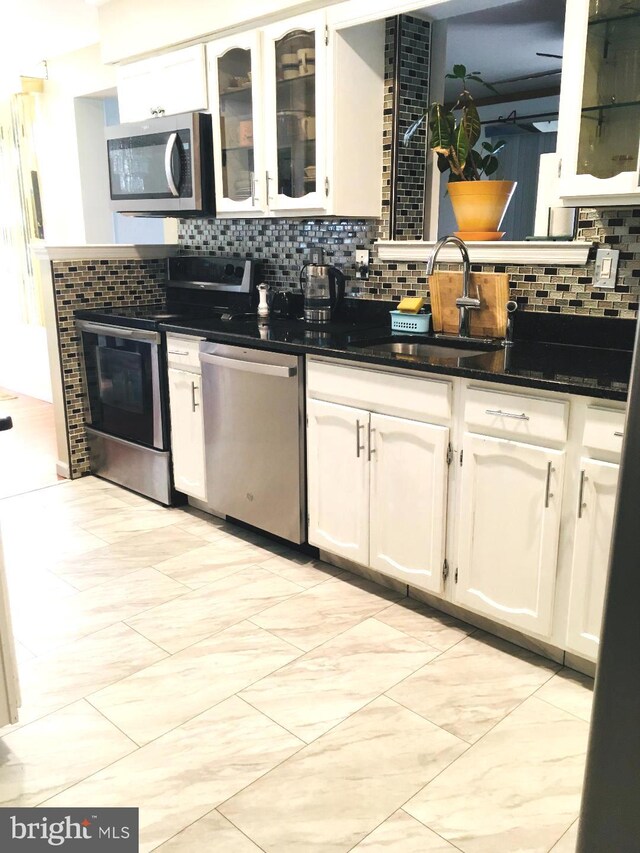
{"type": "Point", "coordinates": [295, 113]}
{"type": "Point", "coordinates": [602, 45]}
{"type": "Point", "coordinates": [235, 81]}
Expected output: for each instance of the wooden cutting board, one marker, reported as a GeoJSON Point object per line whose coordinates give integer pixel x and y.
{"type": "Point", "coordinates": [490, 320]}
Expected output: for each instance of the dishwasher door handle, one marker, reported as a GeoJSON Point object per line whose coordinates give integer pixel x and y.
{"type": "Point", "coordinates": [248, 366]}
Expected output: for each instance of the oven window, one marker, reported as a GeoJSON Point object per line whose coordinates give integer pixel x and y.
{"type": "Point", "coordinates": [123, 398]}
{"type": "Point", "coordinates": [120, 376]}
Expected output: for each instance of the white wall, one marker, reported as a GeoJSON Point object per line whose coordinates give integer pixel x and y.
{"type": "Point", "coordinates": [76, 75]}
{"type": "Point", "coordinates": [94, 172]}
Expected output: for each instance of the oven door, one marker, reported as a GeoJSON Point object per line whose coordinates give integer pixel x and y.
{"type": "Point", "coordinates": [122, 379]}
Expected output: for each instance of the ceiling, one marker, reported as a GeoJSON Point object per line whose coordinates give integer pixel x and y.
{"type": "Point", "coordinates": [33, 30]}
{"type": "Point", "coordinates": [502, 43]}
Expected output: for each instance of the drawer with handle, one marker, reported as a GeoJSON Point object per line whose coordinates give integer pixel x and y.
{"type": "Point", "coordinates": [604, 429]}
{"type": "Point", "coordinates": [183, 352]}
{"type": "Point", "coordinates": [516, 415]}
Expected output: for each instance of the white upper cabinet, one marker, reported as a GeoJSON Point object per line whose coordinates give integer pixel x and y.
{"type": "Point", "coordinates": [172, 83]}
{"type": "Point", "coordinates": [599, 130]}
{"type": "Point", "coordinates": [338, 480]}
{"type": "Point", "coordinates": [289, 137]}
{"type": "Point", "coordinates": [235, 83]}
{"type": "Point", "coordinates": [592, 545]}
{"type": "Point", "coordinates": [509, 520]}
{"type": "Point", "coordinates": [408, 500]}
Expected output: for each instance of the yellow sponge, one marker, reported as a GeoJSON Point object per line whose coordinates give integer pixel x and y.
{"type": "Point", "coordinates": [411, 304]}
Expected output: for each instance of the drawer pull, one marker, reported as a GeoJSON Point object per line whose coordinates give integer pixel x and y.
{"type": "Point", "coordinates": [178, 352]}
{"type": "Point", "coordinates": [502, 414]}
{"type": "Point", "coordinates": [618, 434]}
{"type": "Point", "coordinates": [548, 494]}
{"type": "Point", "coordinates": [581, 503]}
{"type": "Point", "coordinates": [194, 404]}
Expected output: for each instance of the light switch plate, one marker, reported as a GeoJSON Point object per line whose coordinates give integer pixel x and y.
{"type": "Point", "coordinates": [362, 264]}
{"type": "Point", "coordinates": [606, 268]}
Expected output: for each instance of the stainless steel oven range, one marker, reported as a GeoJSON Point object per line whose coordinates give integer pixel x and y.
{"type": "Point", "coordinates": [126, 424]}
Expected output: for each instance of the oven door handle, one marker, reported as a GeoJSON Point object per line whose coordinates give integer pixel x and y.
{"type": "Point", "coordinates": [118, 331]}
{"type": "Point", "coordinates": [248, 366]}
{"type": "Point", "coordinates": [168, 166]}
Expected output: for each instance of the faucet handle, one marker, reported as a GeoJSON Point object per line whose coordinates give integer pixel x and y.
{"type": "Point", "coordinates": [468, 302]}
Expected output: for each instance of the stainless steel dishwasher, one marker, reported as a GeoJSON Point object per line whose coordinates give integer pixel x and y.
{"type": "Point", "coordinates": [253, 407]}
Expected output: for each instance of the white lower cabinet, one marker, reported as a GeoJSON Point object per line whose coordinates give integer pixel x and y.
{"type": "Point", "coordinates": [408, 500]}
{"type": "Point", "coordinates": [509, 525]}
{"type": "Point", "coordinates": [338, 480]}
{"type": "Point", "coordinates": [592, 544]}
{"type": "Point", "coordinates": [187, 433]}
{"type": "Point", "coordinates": [377, 491]}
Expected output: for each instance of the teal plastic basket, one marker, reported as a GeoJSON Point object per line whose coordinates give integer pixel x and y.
{"type": "Point", "coordinates": [410, 323]}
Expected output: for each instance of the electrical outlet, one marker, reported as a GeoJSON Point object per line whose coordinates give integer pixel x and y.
{"type": "Point", "coordinates": [362, 264]}
{"type": "Point", "coordinates": [316, 255]}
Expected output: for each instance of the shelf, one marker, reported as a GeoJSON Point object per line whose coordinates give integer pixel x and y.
{"type": "Point", "coordinates": [612, 106]}
{"type": "Point", "coordinates": [239, 91]}
{"type": "Point", "coordinates": [290, 80]}
{"type": "Point", "coordinates": [237, 148]}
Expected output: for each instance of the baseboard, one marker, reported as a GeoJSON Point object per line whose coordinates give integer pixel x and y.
{"type": "Point", "coordinates": [63, 470]}
{"type": "Point", "coordinates": [364, 572]}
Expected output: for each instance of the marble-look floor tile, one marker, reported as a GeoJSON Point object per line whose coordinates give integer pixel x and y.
{"type": "Point", "coordinates": [301, 569]}
{"type": "Point", "coordinates": [28, 586]}
{"type": "Point", "coordinates": [208, 529]}
{"type": "Point", "coordinates": [23, 550]}
{"type": "Point", "coordinates": [180, 777]}
{"type": "Point", "coordinates": [402, 833]}
{"type": "Point", "coordinates": [571, 691]}
{"type": "Point", "coordinates": [139, 551]}
{"type": "Point", "coordinates": [158, 698]}
{"type": "Point", "coordinates": [72, 672]}
{"type": "Point", "coordinates": [119, 525]}
{"type": "Point", "coordinates": [43, 758]}
{"type": "Point", "coordinates": [324, 611]}
{"type": "Point", "coordinates": [424, 623]}
{"type": "Point", "coordinates": [203, 612]}
{"type": "Point", "coordinates": [210, 834]}
{"type": "Point", "coordinates": [206, 564]}
{"type": "Point", "coordinates": [44, 628]}
{"type": "Point", "coordinates": [471, 687]}
{"type": "Point", "coordinates": [331, 794]}
{"type": "Point", "coordinates": [314, 693]}
{"type": "Point", "coordinates": [516, 789]}
{"type": "Point", "coordinates": [568, 842]}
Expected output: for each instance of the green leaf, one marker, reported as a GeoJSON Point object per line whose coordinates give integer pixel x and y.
{"type": "Point", "coordinates": [460, 71]}
{"type": "Point", "coordinates": [487, 146]}
{"type": "Point", "coordinates": [471, 121]}
{"type": "Point", "coordinates": [441, 126]}
{"type": "Point", "coordinates": [490, 164]}
{"type": "Point", "coordinates": [497, 148]}
{"type": "Point", "coordinates": [461, 147]}
{"type": "Point", "coordinates": [443, 163]}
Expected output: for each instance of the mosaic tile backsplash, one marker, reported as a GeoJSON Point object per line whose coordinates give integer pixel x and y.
{"type": "Point", "coordinates": [94, 284]}
{"type": "Point", "coordinates": [283, 244]}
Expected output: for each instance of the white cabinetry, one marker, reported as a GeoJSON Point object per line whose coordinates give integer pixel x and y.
{"type": "Point", "coordinates": [338, 480]}
{"type": "Point", "coordinates": [378, 483]}
{"type": "Point", "coordinates": [599, 126]}
{"type": "Point", "coordinates": [596, 504]}
{"type": "Point", "coordinates": [509, 526]}
{"type": "Point", "coordinates": [286, 138]}
{"type": "Point", "coordinates": [187, 433]}
{"type": "Point", "coordinates": [168, 84]}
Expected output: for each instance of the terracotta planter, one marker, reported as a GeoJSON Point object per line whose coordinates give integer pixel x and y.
{"type": "Point", "coordinates": [479, 207]}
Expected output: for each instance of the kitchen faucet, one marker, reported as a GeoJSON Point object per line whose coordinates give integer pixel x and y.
{"type": "Point", "coordinates": [465, 302]}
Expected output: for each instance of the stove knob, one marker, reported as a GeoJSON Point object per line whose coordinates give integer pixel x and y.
{"type": "Point", "coordinates": [228, 270]}
{"type": "Point", "coordinates": [239, 272]}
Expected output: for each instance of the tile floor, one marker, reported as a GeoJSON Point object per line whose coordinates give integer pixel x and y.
{"type": "Point", "coordinates": [247, 698]}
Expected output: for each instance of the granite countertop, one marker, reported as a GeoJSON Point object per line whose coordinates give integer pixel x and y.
{"type": "Point", "coordinates": [594, 371]}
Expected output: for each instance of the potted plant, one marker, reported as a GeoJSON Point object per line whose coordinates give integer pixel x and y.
{"type": "Point", "coordinates": [479, 205]}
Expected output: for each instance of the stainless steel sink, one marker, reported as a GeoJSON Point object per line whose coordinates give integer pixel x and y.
{"type": "Point", "coordinates": [409, 347]}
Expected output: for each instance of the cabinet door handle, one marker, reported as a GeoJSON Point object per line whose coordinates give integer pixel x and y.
{"type": "Point", "coordinates": [502, 414]}
{"type": "Point", "coordinates": [581, 503]}
{"type": "Point", "coordinates": [359, 447]}
{"type": "Point", "coordinates": [268, 184]}
{"type": "Point", "coordinates": [178, 352]}
{"type": "Point", "coordinates": [618, 434]}
{"type": "Point", "coordinates": [548, 494]}
{"type": "Point", "coordinates": [252, 180]}
{"type": "Point", "coordinates": [194, 388]}
{"type": "Point", "coordinates": [371, 449]}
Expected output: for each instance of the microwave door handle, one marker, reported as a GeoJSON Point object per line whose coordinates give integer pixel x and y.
{"type": "Point", "coordinates": [168, 157]}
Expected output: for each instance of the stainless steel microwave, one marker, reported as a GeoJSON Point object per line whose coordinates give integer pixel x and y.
{"type": "Point", "coordinates": [162, 166]}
